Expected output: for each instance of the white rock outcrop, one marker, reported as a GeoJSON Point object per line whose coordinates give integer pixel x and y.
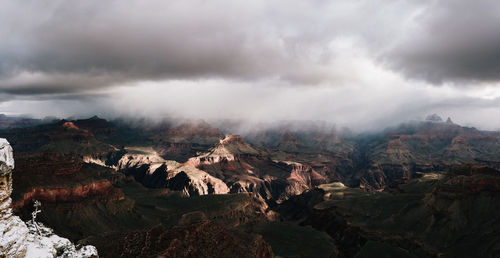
{"type": "Point", "coordinates": [31, 239]}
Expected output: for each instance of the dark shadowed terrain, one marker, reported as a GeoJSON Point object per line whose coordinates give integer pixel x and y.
{"type": "Point", "coordinates": [423, 189]}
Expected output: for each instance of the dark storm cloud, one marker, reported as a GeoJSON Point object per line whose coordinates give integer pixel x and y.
{"type": "Point", "coordinates": [91, 44]}
{"type": "Point", "coordinates": [39, 83]}
{"type": "Point", "coordinates": [454, 41]}
{"type": "Point", "coordinates": [68, 46]}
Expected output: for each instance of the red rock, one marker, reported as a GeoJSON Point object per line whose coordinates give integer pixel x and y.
{"type": "Point", "coordinates": [99, 190]}
{"type": "Point", "coordinates": [70, 126]}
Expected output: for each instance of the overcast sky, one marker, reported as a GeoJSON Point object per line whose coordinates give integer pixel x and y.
{"type": "Point", "coordinates": [360, 63]}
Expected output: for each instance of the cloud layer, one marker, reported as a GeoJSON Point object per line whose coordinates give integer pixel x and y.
{"type": "Point", "coordinates": [361, 63]}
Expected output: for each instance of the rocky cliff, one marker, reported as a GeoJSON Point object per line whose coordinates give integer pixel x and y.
{"type": "Point", "coordinates": [32, 239]}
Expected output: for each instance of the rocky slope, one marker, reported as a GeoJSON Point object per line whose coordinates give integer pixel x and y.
{"type": "Point", "coordinates": [213, 225]}
{"type": "Point", "coordinates": [196, 236]}
{"type": "Point", "coordinates": [32, 239]}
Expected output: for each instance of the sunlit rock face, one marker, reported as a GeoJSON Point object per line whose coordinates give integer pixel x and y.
{"type": "Point", "coordinates": [32, 239]}
{"type": "Point", "coordinates": [153, 171]}
{"type": "Point", "coordinates": [247, 169]}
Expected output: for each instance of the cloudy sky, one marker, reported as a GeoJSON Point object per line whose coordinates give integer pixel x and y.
{"type": "Point", "coordinates": [360, 63]}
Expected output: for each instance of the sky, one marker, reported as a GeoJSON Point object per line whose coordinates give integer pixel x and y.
{"type": "Point", "coordinates": [364, 64]}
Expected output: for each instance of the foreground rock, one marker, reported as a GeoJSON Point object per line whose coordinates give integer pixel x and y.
{"type": "Point", "coordinates": [19, 239]}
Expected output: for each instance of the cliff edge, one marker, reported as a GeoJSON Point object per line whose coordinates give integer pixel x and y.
{"type": "Point", "coordinates": [31, 239]}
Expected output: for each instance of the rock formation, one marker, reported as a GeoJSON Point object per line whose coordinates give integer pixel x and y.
{"type": "Point", "coordinates": [32, 239]}
{"type": "Point", "coordinates": [147, 167]}
{"type": "Point", "coordinates": [247, 169]}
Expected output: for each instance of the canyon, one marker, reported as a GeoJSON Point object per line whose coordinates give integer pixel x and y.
{"type": "Point", "coordinates": [415, 190]}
